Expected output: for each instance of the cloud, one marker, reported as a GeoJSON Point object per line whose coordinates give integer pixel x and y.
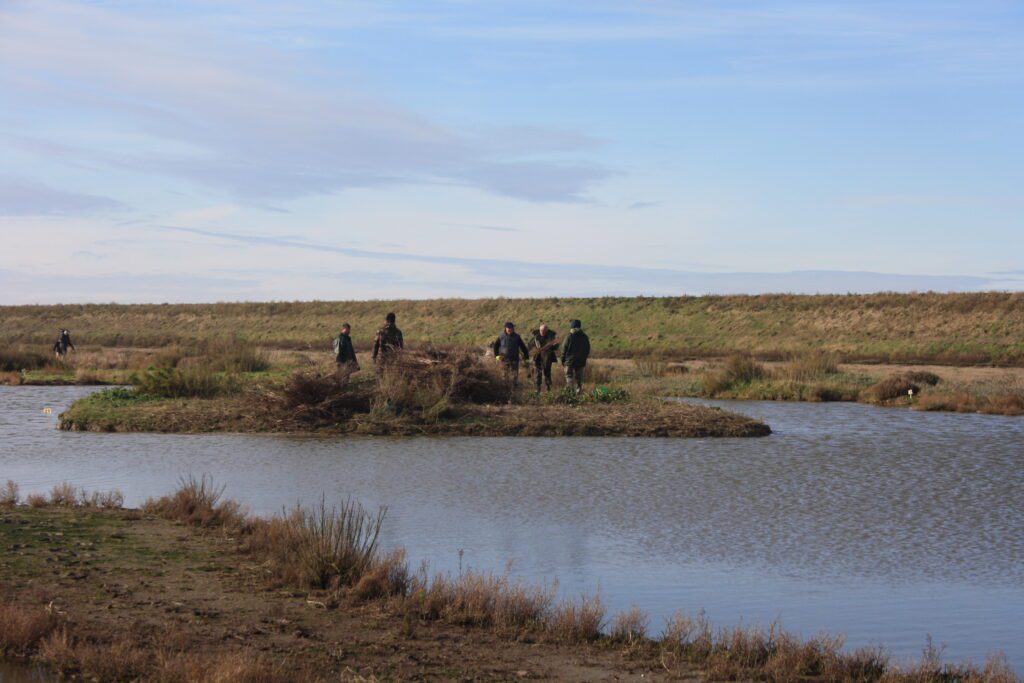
{"type": "Point", "coordinates": [60, 287]}
{"type": "Point", "coordinates": [20, 197]}
{"type": "Point", "coordinates": [486, 228]}
{"type": "Point", "coordinates": [642, 205]}
{"type": "Point", "coordinates": [601, 279]}
{"type": "Point", "coordinates": [177, 99]}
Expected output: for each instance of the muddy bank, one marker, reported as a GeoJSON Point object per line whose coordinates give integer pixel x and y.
{"type": "Point", "coordinates": [246, 414]}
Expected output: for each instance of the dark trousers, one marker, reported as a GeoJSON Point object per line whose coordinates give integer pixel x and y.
{"type": "Point", "coordinates": [542, 371]}
{"type": "Point", "coordinates": [574, 377]}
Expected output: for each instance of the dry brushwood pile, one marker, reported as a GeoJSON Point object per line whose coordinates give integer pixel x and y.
{"type": "Point", "coordinates": [427, 384]}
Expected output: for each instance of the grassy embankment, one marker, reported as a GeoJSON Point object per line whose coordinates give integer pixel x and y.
{"type": "Point", "coordinates": [191, 588]}
{"type": "Point", "coordinates": [935, 328]}
{"type": "Point", "coordinates": [433, 391]}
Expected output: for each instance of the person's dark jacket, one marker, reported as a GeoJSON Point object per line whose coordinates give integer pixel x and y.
{"type": "Point", "coordinates": [576, 349]}
{"type": "Point", "coordinates": [546, 346]}
{"type": "Point", "coordinates": [388, 339]}
{"type": "Point", "coordinates": [65, 342]}
{"type": "Point", "coordinates": [344, 352]}
{"type": "Point", "coordinates": [508, 346]}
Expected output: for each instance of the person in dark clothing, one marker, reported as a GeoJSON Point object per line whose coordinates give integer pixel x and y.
{"type": "Point", "coordinates": [575, 352]}
{"type": "Point", "coordinates": [388, 340]}
{"type": "Point", "coordinates": [344, 352]}
{"type": "Point", "coordinates": [60, 348]}
{"type": "Point", "coordinates": [545, 346]}
{"type": "Point", "coordinates": [507, 348]}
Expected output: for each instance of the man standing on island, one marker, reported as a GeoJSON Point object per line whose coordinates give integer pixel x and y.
{"type": "Point", "coordinates": [507, 348]}
{"type": "Point", "coordinates": [545, 344]}
{"type": "Point", "coordinates": [575, 352]}
{"type": "Point", "coordinates": [388, 340]}
{"type": "Point", "coordinates": [344, 352]}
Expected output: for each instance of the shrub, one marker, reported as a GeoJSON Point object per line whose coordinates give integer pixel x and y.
{"type": "Point", "coordinates": [236, 356]}
{"type": "Point", "coordinates": [311, 397]}
{"type": "Point", "coordinates": [922, 377]}
{"type": "Point", "coordinates": [16, 360]}
{"type": "Point", "coordinates": [197, 502]}
{"type": "Point", "coordinates": [630, 626]}
{"type": "Point", "coordinates": [811, 367]}
{"type": "Point", "coordinates": [191, 382]}
{"type": "Point", "coordinates": [577, 622]}
{"type": "Point", "coordinates": [482, 599]}
{"type": "Point", "coordinates": [737, 369]}
{"type": "Point", "coordinates": [337, 545]}
{"type": "Point", "coordinates": [22, 628]}
{"type": "Point", "coordinates": [9, 496]}
{"type": "Point", "coordinates": [889, 389]}
{"type": "Point", "coordinates": [64, 495]}
{"type": "Point", "coordinates": [609, 395]}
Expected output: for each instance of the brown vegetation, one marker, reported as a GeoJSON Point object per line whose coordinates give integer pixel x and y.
{"type": "Point", "coordinates": [963, 328]}
{"type": "Point", "coordinates": [96, 645]}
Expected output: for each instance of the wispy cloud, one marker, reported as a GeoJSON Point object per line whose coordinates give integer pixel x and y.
{"type": "Point", "coordinates": [20, 197]}
{"type": "Point", "coordinates": [245, 117]}
{"type": "Point", "coordinates": [486, 228]}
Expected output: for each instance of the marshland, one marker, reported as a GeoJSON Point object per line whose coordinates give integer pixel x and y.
{"type": "Point", "coordinates": [709, 556]}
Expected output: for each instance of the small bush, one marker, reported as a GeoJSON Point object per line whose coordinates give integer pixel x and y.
{"type": "Point", "coordinates": [609, 395]}
{"type": "Point", "coordinates": [811, 367]}
{"type": "Point", "coordinates": [630, 627]}
{"type": "Point", "coordinates": [191, 382]}
{"type": "Point", "coordinates": [922, 377]}
{"type": "Point", "coordinates": [64, 495]}
{"type": "Point", "coordinates": [337, 545]}
{"type": "Point", "coordinates": [16, 360]}
{"type": "Point", "coordinates": [236, 356]}
{"type": "Point", "coordinates": [577, 622]}
{"type": "Point", "coordinates": [197, 502]}
{"type": "Point", "coordinates": [310, 397]}
{"type": "Point", "coordinates": [889, 389]}
{"type": "Point", "coordinates": [37, 500]}
{"type": "Point", "coordinates": [737, 369]}
{"type": "Point", "coordinates": [22, 628]}
{"type": "Point", "coordinates": [386, 576]}
{"type": "Point", "coordinates": [482, 599]}
{"type": "Point", "coordinates": [9, 496]}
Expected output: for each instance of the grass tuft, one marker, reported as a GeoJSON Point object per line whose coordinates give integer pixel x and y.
{"type": "Point", "coordinates": [197, 502]}
{"type": "Point", "coordinates": [9, 495]}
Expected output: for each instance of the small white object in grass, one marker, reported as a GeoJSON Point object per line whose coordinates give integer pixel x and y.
{"type": "Point", "coordinates": [910, 392]}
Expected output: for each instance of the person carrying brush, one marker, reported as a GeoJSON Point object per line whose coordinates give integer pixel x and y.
{"type": "Point", "coordinates": [545, 344]}
{"type": "Point", "coordinates": [507, 348]}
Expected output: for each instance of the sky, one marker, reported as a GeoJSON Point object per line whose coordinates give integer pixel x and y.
{"type": "Point", "coordinates": [247, 150]}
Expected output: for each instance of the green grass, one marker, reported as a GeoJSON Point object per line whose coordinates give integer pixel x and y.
{"type": "Point", "coordinates": [950, 328]}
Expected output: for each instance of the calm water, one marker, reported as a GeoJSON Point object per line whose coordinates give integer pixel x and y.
{"type": "Point", "coordinates": [885, 525]}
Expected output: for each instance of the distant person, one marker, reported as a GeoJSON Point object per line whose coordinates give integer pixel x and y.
{"type": "Point", "coordinates": [507, 348]}
{"type": "Point", "coordinates": [575, 352]}
{"type": "Point", "coordinates": [388, 340]}
{"type": "Point", "coordinates": [63, 343]}
{"type": "Point", "coordinates": [545, 345]}
{"type": "Point", "coordinates": [344, 352]}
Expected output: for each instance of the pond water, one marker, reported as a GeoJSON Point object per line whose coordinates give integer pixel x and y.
{"type": "Point", "coordinates": [883, 525]}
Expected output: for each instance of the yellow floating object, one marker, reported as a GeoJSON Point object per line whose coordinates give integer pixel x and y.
{"type": "Point", "coordinates": [47, 411]}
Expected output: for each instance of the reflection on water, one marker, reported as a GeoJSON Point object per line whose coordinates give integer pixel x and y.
{"type": "Point", "coordinates": [886, 525]}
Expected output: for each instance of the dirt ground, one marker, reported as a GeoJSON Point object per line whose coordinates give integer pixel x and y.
{"type": "Point", "coordinates": [117, 575]}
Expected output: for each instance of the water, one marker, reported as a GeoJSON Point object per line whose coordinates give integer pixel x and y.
{"type": "Point", "coordinates": [884, 525]}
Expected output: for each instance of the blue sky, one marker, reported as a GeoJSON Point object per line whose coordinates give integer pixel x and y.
{"type": "Point", "coordinates": [253, 150]}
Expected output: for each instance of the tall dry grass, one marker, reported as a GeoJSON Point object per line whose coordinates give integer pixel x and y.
{"type": "Point", "coordinates": [737, 369]}
{"type": "Point", "coordinates": [23, 628]}
{"type": "Point", "coordinates": [10, 495]}
{"type": "Point", "coordinates": [198, 502]}
{"type": "Point", "coordinates": [810, 367]}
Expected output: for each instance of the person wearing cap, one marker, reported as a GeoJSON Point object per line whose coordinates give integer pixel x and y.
{"type": "Point", "coordinates": [507, 348]}
{"type": "Point", "coordinates": [545, 344]}
{"type": "Point", "coordinates": [344, 352]}
{"type": "Point", "coordinates": [575, 352]}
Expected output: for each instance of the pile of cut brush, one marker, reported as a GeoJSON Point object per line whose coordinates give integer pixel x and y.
{"type": "Point", "coordinates": [423, 383]}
